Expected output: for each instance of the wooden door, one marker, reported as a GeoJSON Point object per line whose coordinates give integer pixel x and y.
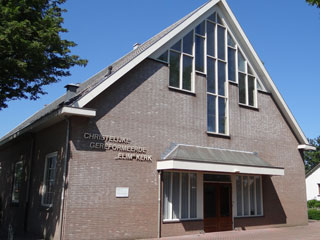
{"type": "Point", "coordinates": [217, 207]}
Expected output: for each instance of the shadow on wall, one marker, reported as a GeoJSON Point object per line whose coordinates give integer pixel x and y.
{"type": "Point", "coordinates": [273, 210]}
{"type": "Point", "coordinates": [30, 220]}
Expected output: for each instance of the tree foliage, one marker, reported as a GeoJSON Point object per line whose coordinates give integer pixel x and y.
{"type": "Point", "coordinates": [314, 2]}
{"type": "Point", "coordinates": [32, 52]}
{"type": "Point", "coordinates": [312, 158]}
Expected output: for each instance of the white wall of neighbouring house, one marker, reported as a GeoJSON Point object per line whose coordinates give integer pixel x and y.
{"type": "Point", "coordinates": [312, 185]}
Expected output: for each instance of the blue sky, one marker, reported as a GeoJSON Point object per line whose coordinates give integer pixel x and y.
{"type": "Point", "coordinates": [285, 34]}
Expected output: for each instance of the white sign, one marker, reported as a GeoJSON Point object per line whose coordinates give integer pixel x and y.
{"type": "Point", "coordinates": [122, 192]}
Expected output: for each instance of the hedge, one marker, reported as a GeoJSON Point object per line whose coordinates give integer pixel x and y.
{"type": "Point", "coordinates": [314, 214]}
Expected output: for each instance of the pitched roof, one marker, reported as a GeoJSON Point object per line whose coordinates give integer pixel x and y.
{"type": "Point", "coordinates": [312, 170]}
{"type": "Point", "coordinates": [92, 87]}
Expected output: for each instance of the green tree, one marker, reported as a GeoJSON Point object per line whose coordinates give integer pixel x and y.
{"type": "Point", "coordinates": [32, 52]}
{"type": "Point", "coordinates": [314, 2]}
{"type": "Point", "coordinates": [312, 158]}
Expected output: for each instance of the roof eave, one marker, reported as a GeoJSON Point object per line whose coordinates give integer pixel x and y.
{"type": "Point", "coordinates": [50, 119]}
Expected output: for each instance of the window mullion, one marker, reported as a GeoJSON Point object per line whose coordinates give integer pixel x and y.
{"type": "Point", "coordinates": [242, 195]}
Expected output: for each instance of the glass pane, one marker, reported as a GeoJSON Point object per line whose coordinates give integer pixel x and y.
{"type": "Point", "coordinates": [245, 196]}
{"type": "Point", "coordinates": [232, 64]}
{"type": "Point", "coordinates": [177, 46]}
{"type": "Point", "coordinates": [225, 201]}
{"type": "Point", "coordinates": [216, 178]}
{"type": "Point", "coordinates": [188, 43]}
{"type": "Point", "coordinates": [219, 19]}
{"type": "Point", "coordinates": [211, 75]}
{"type": "Point", "coordinates": [222, 115]}
{"type": "Point", "coordinates": [212, 17]}
{"type": "Point", "coordinates": [164, 57]}
{"type": "Point", "coordinates": [200, 29]}
{"type": "Point", "coordinates": [193, 195]}
{"type": "Point", "coordinates": [166, 194]}
{"type": "Point", "coordinates": [239, 195]}
{"type": "Point", "coordinates": [241, 62]}
{"type": "Point", "coordinates": [210, 201]}
{"type": "Point", "coordinates": [250, 70]}
{"type": "Point", "coordinates": [230, 41]}
{"type": "Point", "coordinates": [210, 38]}
{"type": "Point", "coordinates": [258, 194]}
{"type": "Point", "coordinates": [251, 90]}
{"type": "Point", "coordinates": [221, 78]}
{"type": "Point", "coordinates": [242, 88]}
{"type": "Point", "coordinates": [175, 195]}
{"type": "Point", "coordinates": [252, 197]}
{"type": "Point", "coordinates": [221, 43]}
{"type": "Point", "coordinates": [211, 109]}
{"type": "Point", "coordinates": [199, 54]}
{"type": "Point", "coordinates": [184, 195]}
{"type": "Point", "coordinates": [174, 69]}
{"type": "Point", "coordinates": [187, 73]}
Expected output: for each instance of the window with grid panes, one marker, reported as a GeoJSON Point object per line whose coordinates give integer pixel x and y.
{"type": "Point", "coordinates": [249, 196]}
{"type": "Point", "coordinates": [179, 195]}
{"type": "Point", "coordinates": [48, 188]}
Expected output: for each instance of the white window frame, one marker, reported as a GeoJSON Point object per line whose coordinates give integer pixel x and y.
{"type": "Point", "coordinates": [15, 181]}
{"type": "Point", "coordinates": [216, 59]}
{"type": "Point", "coordinates": [255, 197]}
{"type": "Point", "coordinates": [170, 205]}
{"type": "Point", "coordinates": [44, 185]}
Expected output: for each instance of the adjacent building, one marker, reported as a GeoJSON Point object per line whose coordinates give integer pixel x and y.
{"type": "Point", "coordinates": [313, 183]}
{"type": "Point", "coordinates": [185, 134]}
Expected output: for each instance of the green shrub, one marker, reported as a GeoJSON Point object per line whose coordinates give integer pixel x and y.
{"type": "Point", "coordinates": [311, 203]}
{"type": "Point", "coordinates": [314, 214]}
{"type": "Point", "coordinates": [317, 204]}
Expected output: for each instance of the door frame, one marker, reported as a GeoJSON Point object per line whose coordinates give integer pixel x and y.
{"type": "Point", "coordinates": [218, 199]}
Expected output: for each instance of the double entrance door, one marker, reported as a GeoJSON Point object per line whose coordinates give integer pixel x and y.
{"type": "Point", "coordinates": [217, 207]}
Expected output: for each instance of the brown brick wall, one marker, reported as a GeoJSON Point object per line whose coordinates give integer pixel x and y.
{"type": "Point", "coordinates": [141, 107]}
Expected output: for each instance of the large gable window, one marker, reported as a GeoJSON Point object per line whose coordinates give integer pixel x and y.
{"type": "Point", "coordinates": [211, 49]}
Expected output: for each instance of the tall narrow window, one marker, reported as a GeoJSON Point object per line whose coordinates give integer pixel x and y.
{"type": "Point", "coordinates": [179, 195]}
{"type": "Point", "coordinates": [247, 83]}
{"type": "Point", "coordinates": [49, 179]}
{"type": "Point", "coordinates": [17, 182]}
{"type": "Point", "coordinates": [217, 100]}
{"type": "Point", "coordinates": [231, 59]}
{"type": "Point", "coordinates": [181, 58]}
{"type": "Point", "coordinates": [249, 196]}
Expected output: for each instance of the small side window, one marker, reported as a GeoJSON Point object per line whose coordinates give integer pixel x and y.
{"type": "Point", "coordinates": [17, 182]}
{"type": "Point", "coordinates": [49, 177]}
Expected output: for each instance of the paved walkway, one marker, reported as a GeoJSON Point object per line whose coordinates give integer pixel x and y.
{"type": "Point", "coordinates": [308, 232]}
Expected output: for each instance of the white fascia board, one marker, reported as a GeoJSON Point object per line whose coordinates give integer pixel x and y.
{"type": "Point", "coordinates": [272, 87]}
{"type": "Point", "coordinates": [306, 147]}
{"type": "Point", "coordinates": [72, 111]}
{"type": "Point", "coordinates": [117, 75]}
{"type": "Point", "coordinates": [216, 167]}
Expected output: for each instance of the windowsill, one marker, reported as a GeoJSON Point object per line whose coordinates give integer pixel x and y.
{"type": "Point", "coordinates": [264, 92]}
{"type": "Point", "coordinates": [160, 61]}
{"type": "Point", "coordinates": [201, 73]}
{"type": "Point", "coordinates": [181, 220]}
{"type": "Point", "coordinates": [233, 83]}
{"type": "Point", "coordinates": [182, 90]}
{"type": "Point", "coordinates": [248, 107]}
{"type": "Point", "coordinates": [218, 135]}
{"type": "Point", "coordinates": [256, 216]}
